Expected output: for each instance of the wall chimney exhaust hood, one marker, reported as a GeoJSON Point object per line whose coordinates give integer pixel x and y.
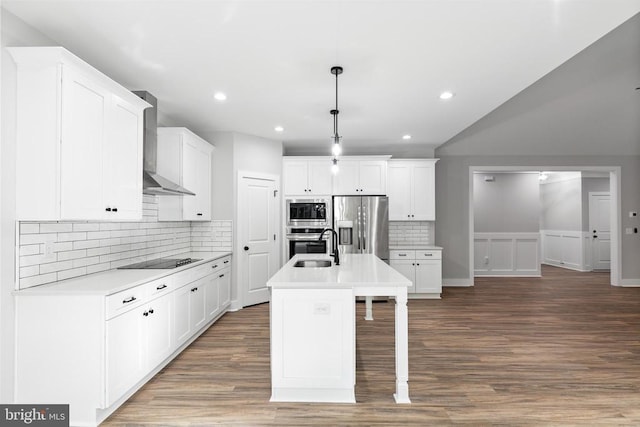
{"type": "Point", "coordinates": [152, 183]}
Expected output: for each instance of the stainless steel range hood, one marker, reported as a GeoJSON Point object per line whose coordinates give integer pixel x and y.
{"type": "Point", "coordinates": [152, 183]}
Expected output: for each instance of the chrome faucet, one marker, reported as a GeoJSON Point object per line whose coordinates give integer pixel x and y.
{"type": "Point", "coordinates": [335, 254]}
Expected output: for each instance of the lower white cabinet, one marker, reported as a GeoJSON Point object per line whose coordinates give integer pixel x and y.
{"type": "Point", "coordinates": [92, 351]}
{"type": "Point", "coordinates": [422, 267]}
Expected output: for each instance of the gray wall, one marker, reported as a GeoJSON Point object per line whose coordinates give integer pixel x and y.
{"type": "Point", "coordinates": [14, 33]}
{"type": "Point", "coordinates": [562, 205]}
{"type": "Point", "coordinates": [509, 204]}
{"type": "Point", "coordinates": [591, 185]}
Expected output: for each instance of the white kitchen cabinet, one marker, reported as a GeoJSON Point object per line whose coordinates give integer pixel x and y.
{"type": "Point", "coordinates": [423, 267]}
{"type": "Point", "coordinates": [307, 177]}
{"type": "Point", "coordinates": [137, 341]}
{"type": "Point", "coordinates": [83, 159]}
{"type": "Point", "coordinates": [126, 362]}
{"type": "Point", "coordinates": [411, 190]}
{"type": "Point", "coordinates": [361, 176]}
{"type": "Point", "coordinates": [185, 158]}
{"type": "Point", "coordinates": [94, 349]}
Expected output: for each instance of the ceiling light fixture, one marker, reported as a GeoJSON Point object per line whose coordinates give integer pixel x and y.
{"type": "Point", "coordinates": [278, 129]}
{"type": "Point", "coordinates": [446, 95]}
{"type": "Point", "coordinates": [220, 96]}
{"type": "Point", "coordinates": [406, 137]}
{"type": "Point", "coordinates": [336, 149]}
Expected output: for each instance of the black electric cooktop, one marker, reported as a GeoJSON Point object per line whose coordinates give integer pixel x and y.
{"type": "Point", "coordinates": [160, 263]}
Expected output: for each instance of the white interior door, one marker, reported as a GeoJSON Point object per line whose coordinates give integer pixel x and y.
{"type": "Point", "coordinates": [257, 216]}
{"type": "Point", "coordinates": [600, 227]}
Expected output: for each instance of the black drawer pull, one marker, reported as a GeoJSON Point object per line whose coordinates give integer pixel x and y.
{"type": "Point", "coordinates": [127, 301]}
{"type": "Point", "coordinates": [402, 254]}
{"type": "Point", "coordinates": [222, 275]}
{"type": "Point", "coordinates": [214, 266]}
{"type": "Point", "coordinates": [108, 209]}
{"type": "Point", "coordinates": [194, 289]}
{"type": "Point", "coordinates": [226, 262]}
{"type": "Point", "coordinates": [151, 311]}
{"type": "Point", "coordinates": [161, 287]}
{"type": "Point", "coordinates": [428, 254]}
{"type": "Point", "coordinates": [199, 214]}
{"type": "Point", "coordinates": [115, 209]}
{"type": "Point", "coordinates": [146, 313]}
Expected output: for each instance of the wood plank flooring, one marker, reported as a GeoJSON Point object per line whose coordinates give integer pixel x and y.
{"type": "Point", "coordinates": [563, 349]}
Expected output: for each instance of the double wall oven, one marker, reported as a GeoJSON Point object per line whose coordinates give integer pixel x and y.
{"type": "Point", "coordinates": [306, 218]}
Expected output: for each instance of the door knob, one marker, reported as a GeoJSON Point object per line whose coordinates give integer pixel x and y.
{"type": "Point", "coordinates": [246, 248]}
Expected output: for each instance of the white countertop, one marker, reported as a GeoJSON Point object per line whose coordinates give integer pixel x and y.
{"type": "Point", "coordinates": [112, 281]}
{"type": "Point", "coordinates": [355, 270]}
{"type": "Point", "coordinates": [416, 247]}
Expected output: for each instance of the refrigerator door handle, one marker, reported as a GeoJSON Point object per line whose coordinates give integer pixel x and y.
{"type": "Point", "coordinates": [358, 223]}
{"type": "Point", "coordinates": [364, 228]}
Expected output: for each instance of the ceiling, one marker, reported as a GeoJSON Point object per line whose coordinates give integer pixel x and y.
{"type": "Point", "coordinates": [272, 60]}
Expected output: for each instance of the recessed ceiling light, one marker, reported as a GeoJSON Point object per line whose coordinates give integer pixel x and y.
{"type": "Point", "coordinates": [278, 129]}
{"type": "Point", "coordinates": [406, 137]}
{"type": "Point", "coordinates": [220, 96]}
{"type": "Point", "coordinates": [446, 95]}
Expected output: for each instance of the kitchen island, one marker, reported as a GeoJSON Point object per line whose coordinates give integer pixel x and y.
{"type": "Point", "coordinates": [313, 327]}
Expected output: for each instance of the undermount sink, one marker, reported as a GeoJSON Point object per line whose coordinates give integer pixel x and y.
{"type": "Point", "coordinates": [309, 263]}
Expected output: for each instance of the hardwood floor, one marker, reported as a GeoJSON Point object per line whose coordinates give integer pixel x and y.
{"type": "Point", "coordinates": [563, 349]}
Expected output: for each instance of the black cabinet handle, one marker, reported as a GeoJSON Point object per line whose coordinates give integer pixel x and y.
{"type": "Point", "coordinates": [222, 275]}
{"type": "Point", "coordinates": [199, 214]}
{"type": "Point", "coordinates": [402, 254]}
{"type": "Point", "coordinates": [194, 289]}
{"type": "Point", "coordinates": [246, 248]}
{"type": "Point", "coordinates": [127, 301]}
{"type": "Point", "coordinates": [161, 287]}
{"type": "Point", "coordinates": [226, 262]}
{"type": "Point", "coordinates": [146, 313]}
{"type": "Point", "coordinates": [151, 311]}
{"type": "Point", "coordinates": [214, 266]}
{"type": "Point", "coordinates": [108, 209]}
{"type": "Point", "coordinates": [428, 254]}
{"type": "Point", "coordinates": [114, 209]}
{"type": "Point", "coordinates": [595, 237]}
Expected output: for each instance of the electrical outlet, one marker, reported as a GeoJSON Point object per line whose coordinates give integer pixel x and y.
{"type": "Point", "coordinates": [48, 248]}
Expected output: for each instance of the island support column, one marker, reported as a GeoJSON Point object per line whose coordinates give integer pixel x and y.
{"type": "Point", "coordinates": [402, 348]}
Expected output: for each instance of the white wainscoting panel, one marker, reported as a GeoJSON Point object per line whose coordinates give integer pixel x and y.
{"type": "Point", "coordinates": [567, 249]}
{"type": "Point", "coordinates": [506, 254]}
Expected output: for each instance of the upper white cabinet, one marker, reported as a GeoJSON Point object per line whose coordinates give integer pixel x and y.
{"type": "Point", "coordinates": [185, 158]}
{"type": "Point", "coordinates": [411, 190]}
{"type": "Point", "coordinates": [307, 176]}
{"type": "Point", "coordinates": [79, 140]}
{"type": "Point", "coordinates": [361, 176]}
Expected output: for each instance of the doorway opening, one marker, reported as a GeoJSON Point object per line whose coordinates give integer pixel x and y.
{"type": "Point", "coordinates": [521, 217]}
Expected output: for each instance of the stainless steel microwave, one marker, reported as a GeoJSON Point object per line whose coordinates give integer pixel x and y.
{"type": "Point", "coordinates": [308, 212]}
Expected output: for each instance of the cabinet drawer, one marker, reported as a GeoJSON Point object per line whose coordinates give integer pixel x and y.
{"type": "Point", "coordinates": [159, 287]}
{"type": "Point", "coordinates": [219, 264]}
{"type": "Point", "coordinates": [125, 300]}
{"type": "Point", "coordinates": [428, 254]}
{"type": "Point", "coordinates": [400, 254]}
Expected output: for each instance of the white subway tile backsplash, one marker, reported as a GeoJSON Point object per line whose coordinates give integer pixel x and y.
{"type": "Point", "coordinates": [29, 228]}
{"type": "Point", "coordinates": [411, 232]}
{"type": "Point", "coordinates": [82, 247]}
{"type": "Point", "coordinates": [55, 227]}
{"type": "Point", "coordinates": [55, 266]}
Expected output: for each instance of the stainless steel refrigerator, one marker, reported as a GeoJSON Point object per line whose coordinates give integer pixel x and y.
{"type": "Point", "coordinates": [362, 224]}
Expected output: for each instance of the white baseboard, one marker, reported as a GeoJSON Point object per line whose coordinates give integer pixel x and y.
{"type": "Point", "coordinates": [630, 283]}
{"type": "Point", "coordinates": [235, 305]}
{"type": "Point", "coordinates": [460, 283]}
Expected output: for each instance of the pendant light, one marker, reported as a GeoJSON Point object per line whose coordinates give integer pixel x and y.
{"type": "Point", "coordinates": [336, 149]}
